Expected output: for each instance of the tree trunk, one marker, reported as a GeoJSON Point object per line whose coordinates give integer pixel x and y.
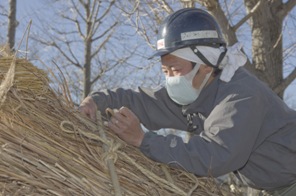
{"type": "Point", "coordinates": [267, 43]}
{"type": "Point", "coordinates": [12, 24]}
{"type": "Point", "coordinates": [188, 3]}
{"type": "Point", "coordinates": [87, 55]}
{"type": "Point", "coordinates": [87, 69]}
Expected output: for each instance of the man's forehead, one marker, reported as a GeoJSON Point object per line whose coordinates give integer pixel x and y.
{"type": "Point", "coordinates": [172, 58]}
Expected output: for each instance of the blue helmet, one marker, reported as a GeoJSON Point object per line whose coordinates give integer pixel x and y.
{"type": "Point", "coordinates": [188, 27]}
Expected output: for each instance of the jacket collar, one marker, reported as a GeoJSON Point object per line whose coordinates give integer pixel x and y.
{"type": "Point", "coordinates": [205, 102]}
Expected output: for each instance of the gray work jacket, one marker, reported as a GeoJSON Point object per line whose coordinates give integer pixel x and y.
{"type": "Point", "coordinates": [240, 126]}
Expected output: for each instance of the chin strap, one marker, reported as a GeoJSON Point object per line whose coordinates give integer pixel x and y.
{"type": "Point", "coordinates": [205, 60]}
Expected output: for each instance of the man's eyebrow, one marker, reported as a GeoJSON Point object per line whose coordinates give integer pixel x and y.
{"type": "Point", "coordinates": [170, 64]}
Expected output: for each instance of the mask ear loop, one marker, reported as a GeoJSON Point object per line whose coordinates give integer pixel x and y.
{"type": "Point", "coordinates": [205, 80]}
{"type": "Point", "coordinates": [192, 73]}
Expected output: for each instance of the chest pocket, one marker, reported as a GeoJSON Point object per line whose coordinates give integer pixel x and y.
{"type": "Point", "coordinates": [195, 123]}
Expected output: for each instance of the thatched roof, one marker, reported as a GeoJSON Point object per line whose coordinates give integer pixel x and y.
{"type": "Point", "coordinates": [48, 148]}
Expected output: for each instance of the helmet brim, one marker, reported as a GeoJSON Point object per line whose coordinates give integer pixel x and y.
{"type": "Point", "coordinates": [160, 53]}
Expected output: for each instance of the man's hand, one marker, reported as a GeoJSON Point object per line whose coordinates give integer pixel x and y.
{"type": "Point", "coordinates": [127, 126]}
{"type": "Point", "coordinates": [88, 107]}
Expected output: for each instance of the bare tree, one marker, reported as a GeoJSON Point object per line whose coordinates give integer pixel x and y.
{"type": "Point", "coordinates": [89, 25]}
{"type": "Point", "coordinates": [12, 24]}
{"type": "Point", "coordinates": [266, 23]}
{"type": "Point", "coordinates": [263, 18]}
{"type": "Point", "coordinates": [9, 22]}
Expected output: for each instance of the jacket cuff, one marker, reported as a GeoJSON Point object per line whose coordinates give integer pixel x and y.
{"type": "Point", "coordinates": [145, 145]}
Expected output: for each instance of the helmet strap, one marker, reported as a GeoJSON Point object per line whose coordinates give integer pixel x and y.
{"type": "Point", "coordinates": [205, 60]}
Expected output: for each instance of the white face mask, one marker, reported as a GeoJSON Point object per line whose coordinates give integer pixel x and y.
{"type": "Point", "coordinates": [180, 88]}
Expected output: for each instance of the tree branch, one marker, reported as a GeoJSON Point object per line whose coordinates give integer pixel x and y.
{"type": "Point", "coordinates": [65, 55]}
{"type": "Point", "coordinates": [3, 12]}
{"type": "Point", "coordinates": [98, 76]}
{"type": "Point", "coordinates": [103, 71]}
{"type": "Point", "coordinates": [286, 82]}
{"type": "Point", "coordinates": [94, 10]}
{"type": "Point", "coordinates": [97, 22]}
{"type": "Point", "coordinates": [79, 30]}
{"type": "Point", "coordinates": [105, 32]}
{"type": "Point", "coordinates": [166, 6]}
{"type": "Point", "coordinates": [106, 11]}
{"type": "Point", "coordinates": [249, 15]}
{"type": "Point", "coordinates": [101, 45]}
{"type": "Point", "coordinates": [77, 64]}
{"type": "Point", "coordinates": [78, 11]}
{"type": "Point", "coordinates": [287, 7]}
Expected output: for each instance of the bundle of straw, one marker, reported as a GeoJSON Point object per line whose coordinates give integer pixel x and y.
{"type": "Point", "coordinates": [26, 76]}
{"type": "Point", "coordinates": [48, 148]}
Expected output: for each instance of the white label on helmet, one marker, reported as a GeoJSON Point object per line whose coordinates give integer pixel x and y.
{"type": "Point", "coordinates": [160, 44]}
{"type": "Point", "coordinates": [198, 35]}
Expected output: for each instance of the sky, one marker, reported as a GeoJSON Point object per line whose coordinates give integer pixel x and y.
{"type": "Point", "coordinates": [32, 9]}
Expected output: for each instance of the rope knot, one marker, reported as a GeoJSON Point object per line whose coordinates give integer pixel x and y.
{"type": "Point", "coordinates": [111, 152]}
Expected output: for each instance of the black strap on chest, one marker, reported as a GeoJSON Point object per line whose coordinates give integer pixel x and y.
{"type": "Point", "coordinates": [190, 126]}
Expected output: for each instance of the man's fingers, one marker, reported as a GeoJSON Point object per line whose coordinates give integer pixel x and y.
{"type": "Point", "coordinates": [88, 107]}
{"type": "Point", "coordinates": [83, 110]}
{"type": "Point", "coordinates": [126, 112]}
{"type": "Point", "coordinates": [114, 125]}
{"type": "Point", "coordinates": [126, 125]}
{"type": "Point", "coordinates": [114, 121]}
{"type": "Point", "coordinates": [109, 112]}
{"type": "Point", "coordinates": [93, 115]}
{"type": "Point", "coordinates": [121, 118]}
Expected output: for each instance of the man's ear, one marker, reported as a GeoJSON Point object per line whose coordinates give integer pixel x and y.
{"type": "Point", "coordinates": [206, 69]}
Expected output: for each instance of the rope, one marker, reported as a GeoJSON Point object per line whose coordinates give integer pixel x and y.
{"type": "Point", "coordinates": [109, 157]}
{"type": "Point", "coordinates": [110, 152]}
{"type": "Point", "coordinates": [69, 127]}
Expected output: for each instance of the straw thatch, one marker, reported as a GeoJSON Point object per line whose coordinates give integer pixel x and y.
{"type": "Point", "coordinates": [48, 148]}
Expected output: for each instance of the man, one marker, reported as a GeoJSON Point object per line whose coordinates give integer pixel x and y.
{"type": "Point", "coordinates": [237, 123]}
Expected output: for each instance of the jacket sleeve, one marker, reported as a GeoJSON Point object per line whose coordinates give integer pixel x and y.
{"type": "Point", "coordinates": [224, 146]}
{"type": "Point", "coordinates": [154, 108]}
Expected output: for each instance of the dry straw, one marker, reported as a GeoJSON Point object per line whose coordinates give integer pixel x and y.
{"type": "Point", "coordinates": [48, 148]}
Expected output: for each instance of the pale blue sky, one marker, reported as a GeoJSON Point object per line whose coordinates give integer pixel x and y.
{"type": "Point", "coordinates": [32, 9]}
